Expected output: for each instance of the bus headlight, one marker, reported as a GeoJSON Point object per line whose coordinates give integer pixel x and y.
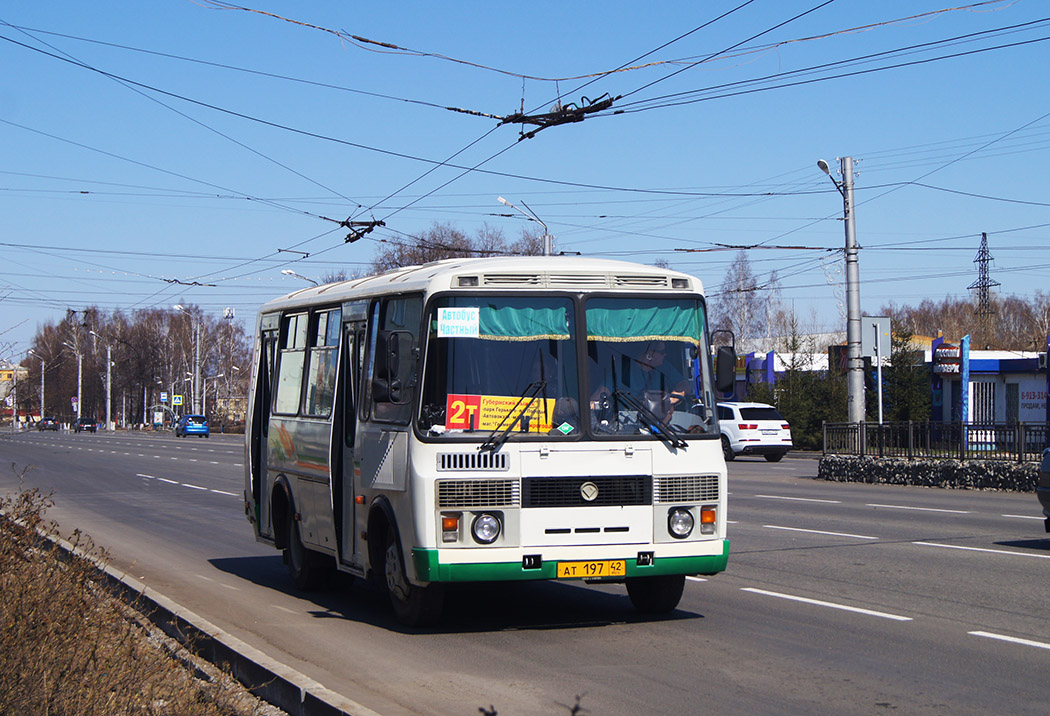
{"type": "Point", "coordinates": [485, 528]}
{"type": "Point", "coordinates": [680, 522]}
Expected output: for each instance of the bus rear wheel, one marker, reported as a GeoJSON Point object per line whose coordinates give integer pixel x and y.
{"type": "Point", "coordinates": [309, 569]}
{"type": "Point", "coordinates": [413, 605]}
{"type": "Point", "coordinates": [656, 595]}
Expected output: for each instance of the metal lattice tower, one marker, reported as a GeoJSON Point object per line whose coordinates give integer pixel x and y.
{"type": "Point", "coordinates": [984, 282]}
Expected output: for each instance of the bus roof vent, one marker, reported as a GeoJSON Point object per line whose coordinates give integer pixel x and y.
{"type": "Point", "coordinates": [578, 280]}
{"type": "Point", "coordinates": [625, 280]}
{"type": "Point", "coordinates": [512, 279]}
{"type": "Point", "coordinates": [466, 461]}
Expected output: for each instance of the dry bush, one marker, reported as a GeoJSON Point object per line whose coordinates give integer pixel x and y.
{"type": "Point", "coordinates": [67, 646]}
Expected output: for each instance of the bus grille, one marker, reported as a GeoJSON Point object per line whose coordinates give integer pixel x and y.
{"type": "Point", "coordinates": [687, 488]}
{"type": "Point", "coordinates": [454, 461]}
{"type": "Point", "coordinates": [565, 491]}
{"type": "Point", "coordinates": [478, 493]}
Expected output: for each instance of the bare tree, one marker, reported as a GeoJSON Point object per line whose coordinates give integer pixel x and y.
{"type": "Point", "coordinates": [745, 306]}
{"type": "Point", "coordinates": [444, 241]}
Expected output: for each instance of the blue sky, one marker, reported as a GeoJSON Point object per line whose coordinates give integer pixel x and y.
{"type": "Point", "coordinates": [159, 153]}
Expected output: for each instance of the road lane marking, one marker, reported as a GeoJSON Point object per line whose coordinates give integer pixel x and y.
{"type": "Point", "coordinates": [148, 477]}
{"type": "Point", "coordinates": [170, 482]}
{"type": "Point", "coordinates": [1025, 517]}
{"type": "Point", "coordinates": [983, 549]}
{"type": "Point", "coordinates": [818, 532]}
{"type": "Point", "coordinates": [283, 609]}
{"type": "Point", "coordinates": [800, 499]}
{"type": "Point", "coordinates": [832, 605]}
{"type": "Point", "coordinates": [193, 487]}
{"type": "Point", "coordinates": [920, 509]}
{"type": "Point", "coordinates": [1011, 639]}
{"type": "Point", "coordinates": [223, 492]}
{"type": "Point", "coordinates": [696, 579]}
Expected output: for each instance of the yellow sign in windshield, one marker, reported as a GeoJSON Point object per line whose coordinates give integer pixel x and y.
{"type": "Point", "coordinates": [489, 412]}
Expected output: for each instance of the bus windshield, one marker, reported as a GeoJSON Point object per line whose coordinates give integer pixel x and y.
{"type": "Point", "coordinates": [495, 363]}
{"type": "Point", "coordinates": [508, 365]}
{"type": "Point", "coordinates": [645, 368]}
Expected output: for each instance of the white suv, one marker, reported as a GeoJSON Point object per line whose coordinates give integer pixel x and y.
{"type": "Point", "coordinates": [753, 429]}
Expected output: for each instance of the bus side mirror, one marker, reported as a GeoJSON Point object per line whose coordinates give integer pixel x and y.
{"type": "Point", "coordinates": [387, 391]}
{"type": "Point", "coordinates": [386, 381]}
{"type": "Point", "coordinates": [388, 355]}
{"type": "Point", "coordinates": [725, 369]}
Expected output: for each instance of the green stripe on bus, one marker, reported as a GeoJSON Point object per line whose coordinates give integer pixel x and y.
{"type": "Point", "coordinates": [429, 569]}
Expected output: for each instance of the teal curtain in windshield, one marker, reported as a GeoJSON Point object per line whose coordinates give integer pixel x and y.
{"type": "Point", "coordinates": [620, 320]}
{"type": "Point", "coordinates": [510, 323]}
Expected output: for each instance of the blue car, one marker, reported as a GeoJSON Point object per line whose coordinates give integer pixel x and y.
{"type": "Point", "coordinates": [192, 425]}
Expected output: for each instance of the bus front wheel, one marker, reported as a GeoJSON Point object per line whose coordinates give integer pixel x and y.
{"type": "Point", "coordinates": [656, 595]}
{"type": "Point", "coordinates": [413, 605]}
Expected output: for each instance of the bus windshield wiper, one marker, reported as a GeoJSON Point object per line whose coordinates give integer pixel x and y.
{"type": "Point", "coordinates": [500, 434]}
{"type": "Point", "coordinates": [663, 430]}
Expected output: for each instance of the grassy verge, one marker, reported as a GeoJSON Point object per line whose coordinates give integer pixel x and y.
{"type": "Point", "coordinates": [68, 646]}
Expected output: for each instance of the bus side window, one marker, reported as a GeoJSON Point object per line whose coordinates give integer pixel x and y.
{"type": "Point", "coordinates": [351, 373]}
{"type": "Point", "coordinates": [321, 367]}
{"type": "Point", "coordinates": [290, 364]}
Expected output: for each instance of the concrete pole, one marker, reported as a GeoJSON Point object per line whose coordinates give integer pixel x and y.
{"type": "Point", "coordinates": [109, 387]}
{"type": "Point", "coordinates": [43, 367]}
{"type": "Point", "coordinates": [80, 382]}
{"type": "Point", "coordinates": [14, 397]}
{"type": "Point", "coordinates": [197, 368]}
{"type": "Point", "coordinates": [855, 363]}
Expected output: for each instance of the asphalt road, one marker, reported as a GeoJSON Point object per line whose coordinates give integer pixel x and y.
{"type": "Point", "coordinates": [839, 598]}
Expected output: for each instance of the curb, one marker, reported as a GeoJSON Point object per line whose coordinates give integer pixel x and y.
{"type": "Point", "coordinates": [270, 680]}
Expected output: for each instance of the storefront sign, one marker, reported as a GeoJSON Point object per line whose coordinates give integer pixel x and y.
{"type": "Point", "coordinates": [947, 359]}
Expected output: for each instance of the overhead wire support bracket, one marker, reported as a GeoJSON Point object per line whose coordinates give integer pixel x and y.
{"type": "Point", "coordinates": [559, 114]}
{"type": "Point", "coordinates": [359, 228]}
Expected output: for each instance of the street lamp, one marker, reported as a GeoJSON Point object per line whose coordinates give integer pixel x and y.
{"type": "Point", "coordinates": [293, 274]}
{"type": "Point", "coordinates": [80, 376]}
{"type": "Point", "coordinates": [43, 367]}
{"type": "Point", "coordinates": [854, 361]}
{"type": "Point", "coordinates": [204, 405]}
{"type": "Point", "coordinates": [548, 240]}
{"type": "Point", "coordinates": [109, 378]}
{"type": "Point", "coordinates": [196, 352]}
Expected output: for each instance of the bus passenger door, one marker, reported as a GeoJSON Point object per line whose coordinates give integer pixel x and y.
{"type": "Point", "coordinates": [259, 430]}
{"type": "Point", "coordinates": [345, 492]}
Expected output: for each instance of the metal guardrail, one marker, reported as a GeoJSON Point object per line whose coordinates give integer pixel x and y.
{"type": "Point", "coordinates": [1019, 442]}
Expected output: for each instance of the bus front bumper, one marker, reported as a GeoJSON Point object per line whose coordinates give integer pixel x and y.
{"type": "Point", "coordinates": [430, 567]}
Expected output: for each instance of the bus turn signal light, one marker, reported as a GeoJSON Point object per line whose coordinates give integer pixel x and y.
{"type": "Point", "coordinates": [449, 528]}
{"type": "Point", "coordinates": [708, 517]}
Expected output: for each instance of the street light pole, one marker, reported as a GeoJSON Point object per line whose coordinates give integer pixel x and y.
{"type": "Point", "coordinates": [204, 403]}
{"type": "Point", "coordinates": [109, 380]}
{"type": "Point", "coordinates": [854, 360]}
{"type": "Point", "coordinates": [196, 354]}
{"type": "Point", "coordinates": [293, 274]}
{"type": "Point", "coordinates": [14, 397]}
{"type": "Point", "coordinates": [548, 240]}
{"type": "Point", "coordinates": [80, 377]}
{"type": "Point", "coordinates": [43, 367]}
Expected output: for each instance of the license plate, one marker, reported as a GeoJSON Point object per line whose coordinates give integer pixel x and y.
{"type": "Point", "coordinates": [770, 432]}
{"type": "Point", "coordinates": [588, 570]}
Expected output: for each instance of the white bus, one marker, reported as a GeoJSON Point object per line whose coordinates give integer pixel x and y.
{"type": "Point", "coordinates": [471, 420]}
